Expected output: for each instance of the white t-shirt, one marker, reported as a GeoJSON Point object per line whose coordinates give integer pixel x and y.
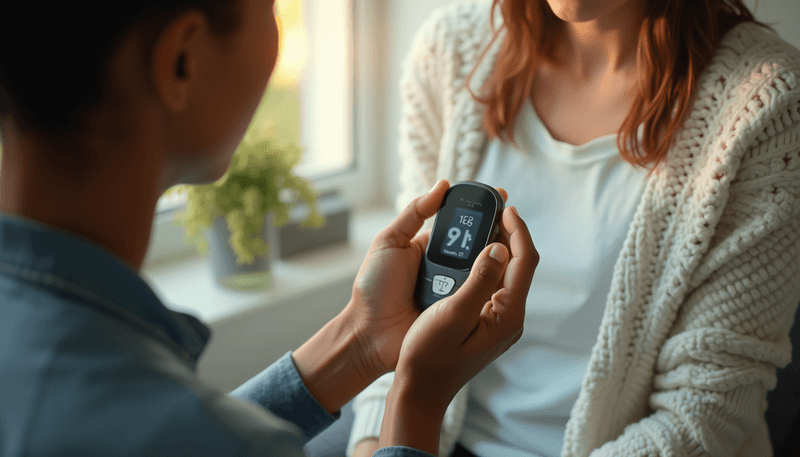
{"type": "Point", "coordinates": [578, 202]}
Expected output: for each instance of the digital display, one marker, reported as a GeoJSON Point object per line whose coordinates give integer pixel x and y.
{"type": "Point", "coordinates": [461, 232]}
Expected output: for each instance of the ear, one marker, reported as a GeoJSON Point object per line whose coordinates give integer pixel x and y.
{"type": "Point", "coordinates": [176, 54]}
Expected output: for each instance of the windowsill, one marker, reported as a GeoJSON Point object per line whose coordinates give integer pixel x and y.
{"type": "Point", "coordinates": [187, 284]}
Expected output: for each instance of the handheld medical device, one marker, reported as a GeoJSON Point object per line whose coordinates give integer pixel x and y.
{"type": "Point", "coordinates": [468, 220]}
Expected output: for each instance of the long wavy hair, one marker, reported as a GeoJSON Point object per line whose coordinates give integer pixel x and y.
{"type": "Point", "coordinates": [677, 39]}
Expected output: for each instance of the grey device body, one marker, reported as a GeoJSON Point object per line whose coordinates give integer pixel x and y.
{"type": "Point", "coordinates": [467, 221]}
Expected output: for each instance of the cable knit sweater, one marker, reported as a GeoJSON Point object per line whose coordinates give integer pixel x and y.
{"type": "Point", "coordinates": [708, 280]}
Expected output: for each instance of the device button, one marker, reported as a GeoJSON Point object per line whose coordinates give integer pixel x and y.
{"type": "Point", "coordinates": [442, 284]}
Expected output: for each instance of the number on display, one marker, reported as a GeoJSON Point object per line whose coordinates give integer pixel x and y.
{"type": "Point", "coordinates": [455, 233]}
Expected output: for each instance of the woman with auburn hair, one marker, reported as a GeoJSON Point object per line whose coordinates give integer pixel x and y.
{"type": "Point", "coordinates": [653, 149]}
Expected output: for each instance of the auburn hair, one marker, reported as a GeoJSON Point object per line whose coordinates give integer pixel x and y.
{"type": "Point", "coordinates": [677, 39]}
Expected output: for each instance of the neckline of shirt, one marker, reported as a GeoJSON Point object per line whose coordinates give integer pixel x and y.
{"type": "Point", "coordinates": [594, 150]}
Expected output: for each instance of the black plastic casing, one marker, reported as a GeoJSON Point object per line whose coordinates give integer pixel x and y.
{"type": "Point", "coordinates": [470, 195]}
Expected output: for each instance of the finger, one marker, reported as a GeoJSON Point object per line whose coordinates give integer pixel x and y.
{"type": "Point", "coordinates": [482, 282]}
{"type": "Point", "coordinates": [522, 263]}
{"type": "Point", "coordinates": [484, 317]}
{"type": "Point", "coordinates": [408, 223]}
{"type": "Point", "coordinates": [504, 194]}
{"type": "Point", "coordinates": [499, 328]}
{"type": "Point", "coordinates": [504, 234]}
{"type": "Point", "coordinates": [421, 240]}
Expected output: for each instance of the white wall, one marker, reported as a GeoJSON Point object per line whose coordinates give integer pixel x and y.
{"type": "Point", "coordinates": [783, 15]}
{"type": "Point", "coordinates": [405, 16]}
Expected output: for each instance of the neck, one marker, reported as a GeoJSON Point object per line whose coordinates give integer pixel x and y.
{"type": "Point", "coordinates": [606, 44]}
{"type": "Point", "coordinates": [110, 204]}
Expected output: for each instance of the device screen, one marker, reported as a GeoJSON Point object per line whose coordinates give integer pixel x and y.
{"type": "Point", "coordinates": [461, 233]}
{"type": "Point", "coordinates": [463, 226]}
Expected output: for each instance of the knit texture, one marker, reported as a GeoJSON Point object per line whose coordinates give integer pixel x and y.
{"type": "Point", "coordinates": [708, 280]}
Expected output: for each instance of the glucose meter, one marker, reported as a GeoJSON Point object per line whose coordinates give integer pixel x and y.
{"type": "Point", "coordinates": [468, 220]}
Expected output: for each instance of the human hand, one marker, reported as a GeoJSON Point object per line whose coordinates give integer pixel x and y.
{"type": "Point", "coordinates": [458, 336]}
{"type": "Point", "coordinates": [382, 304]}
{"type": "Point", "coordinates": [383, 292]}
{"type": "Point", "coordinates": [363, 341]}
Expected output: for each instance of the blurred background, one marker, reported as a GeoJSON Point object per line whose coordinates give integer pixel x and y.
{"type": "Point", "coordinates": [335, 92]}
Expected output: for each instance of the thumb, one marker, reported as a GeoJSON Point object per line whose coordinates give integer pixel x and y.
{"type": "Point", "coordinates": [481, 284]}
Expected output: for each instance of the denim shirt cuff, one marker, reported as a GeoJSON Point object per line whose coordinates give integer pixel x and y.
{"type": "Point", "coordinates": [400, 451]}
{"type": "Point", "coordinates": [280, 390]}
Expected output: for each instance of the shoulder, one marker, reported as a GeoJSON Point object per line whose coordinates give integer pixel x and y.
{"type": "Point", "coordinates": [747, 96]}
{"type": "Point", "coordinates": [749, 43]}
{"type": "Point", "coordinates": [754, 64]}
{"type": "Point", "coordinates": [745, 133]}
{"type": "Point", "coordinates": [86, 385]}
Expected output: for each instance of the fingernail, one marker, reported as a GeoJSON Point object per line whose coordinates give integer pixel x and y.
{"type": "Point", "coordinates": [436, 185]}
{"type": "Point", "coordinates": [498, 253]}
{"type": "Point", "coordinates": [514, 208]}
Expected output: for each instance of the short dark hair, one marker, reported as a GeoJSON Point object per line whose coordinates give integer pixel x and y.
{"type": "Point", "coordinates": [53, 54]}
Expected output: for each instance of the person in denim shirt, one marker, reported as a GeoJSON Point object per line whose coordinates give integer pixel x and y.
{"type": "Point", "coordinates": [105, 105]}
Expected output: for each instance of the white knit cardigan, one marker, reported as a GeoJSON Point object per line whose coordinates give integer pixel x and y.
{"type": "Point", "coordinates": [706, 286]}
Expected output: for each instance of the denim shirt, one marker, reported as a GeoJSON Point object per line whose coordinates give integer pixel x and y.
{"type": "Point", "coordinates": [93, 364]}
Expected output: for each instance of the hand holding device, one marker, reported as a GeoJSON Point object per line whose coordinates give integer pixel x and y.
{"type": "Point", "coordinates": [383, 291]}
{"type": "Point", "coordinates": [458, 336]}
{"type": "Point", "coordinates": [363, 341]}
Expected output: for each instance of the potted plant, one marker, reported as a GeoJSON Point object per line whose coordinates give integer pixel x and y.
{"type": "Point", "coordinates": [259, 185]}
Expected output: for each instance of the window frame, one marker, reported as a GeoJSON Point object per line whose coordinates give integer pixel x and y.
{"type": "Point", "coordinates": [359, 184]}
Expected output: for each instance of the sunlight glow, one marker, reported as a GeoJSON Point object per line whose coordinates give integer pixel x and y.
{"type": "Point", "coordinates": [293, 51]}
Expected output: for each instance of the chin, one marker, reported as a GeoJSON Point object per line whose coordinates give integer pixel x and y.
{"type": "Point", "coordinates": [210, 178]}
{"type": "Point", "coordinates": [198, 174]}
{"type": "Point", "coordinates": [582, 10]}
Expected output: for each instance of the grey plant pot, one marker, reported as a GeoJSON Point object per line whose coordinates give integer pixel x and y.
{"type": "Point", "coordinates": [227, 271]}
